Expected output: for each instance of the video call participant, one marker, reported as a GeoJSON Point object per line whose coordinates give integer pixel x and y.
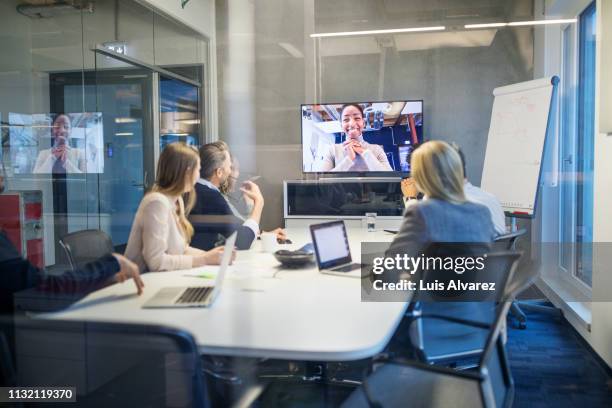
{"type": "Point", "coordinates": [61, 157]}
{"type": "Point", "coordinates": [354, 154]}
{"type": "Point", "coordinates": [212, 216]}
{"type": "Point", "coordinates": [160, 235]}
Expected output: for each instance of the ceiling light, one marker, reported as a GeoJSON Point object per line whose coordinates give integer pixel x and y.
{"type": "Point", "coordinates": [487, 25]}
{"type": "Point", "coordinates": [521, 23]}
{"type": "Point", "coordinates": [374, 32]}
{"type": "Point", "coordinates": [541, 22]}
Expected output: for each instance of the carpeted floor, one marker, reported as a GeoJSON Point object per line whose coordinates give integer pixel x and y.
{"type": "Point", "coordinates": [553, 367]}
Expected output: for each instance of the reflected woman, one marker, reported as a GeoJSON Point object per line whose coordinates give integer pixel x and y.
{"type": "Point", "coordinates": [354, 154]}
{"type": "Point", "coordinates": [60, 158]}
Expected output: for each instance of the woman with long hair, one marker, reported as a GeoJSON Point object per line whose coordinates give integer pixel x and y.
{"type": "Point", "coordinates": [160, 236]}
{"type": "Point", "coordinates": [445, 215]}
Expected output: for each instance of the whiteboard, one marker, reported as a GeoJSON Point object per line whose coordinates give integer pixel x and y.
{"type": "Point", "coordinates": [515, 144]}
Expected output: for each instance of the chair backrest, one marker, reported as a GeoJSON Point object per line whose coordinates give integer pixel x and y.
{"type": "Point", "coordinates": [85, 246]}
{"type": "Point", "coordinates": [498, 386]}
{"type": "Point", "coordinates": [110, 363]}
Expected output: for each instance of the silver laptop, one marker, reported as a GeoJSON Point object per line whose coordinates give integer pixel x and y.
{"type": "Point", "coordinates": [331, 247]}
{"type": "Point", "coordinates": [194, 296]}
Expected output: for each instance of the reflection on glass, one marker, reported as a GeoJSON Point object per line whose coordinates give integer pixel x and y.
{"type": "Point", "coordinates": [180, 119]}
{"type": "Point", "coordinates": [74, 140]}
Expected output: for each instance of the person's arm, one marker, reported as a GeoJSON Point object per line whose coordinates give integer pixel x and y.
{"type": "Point", "coordinates": [376, 159]}
{"type": "Point", "coordinates": [412, 238]}
{"type": "Point", "coordinates": [75, 162]}
{"type": "Point", "coordinates": [44, 162]}
{"type": "Point", "coordinates": [155, 233]}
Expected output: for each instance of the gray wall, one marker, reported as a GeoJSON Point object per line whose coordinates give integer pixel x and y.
{"type": "Point", "coordinates": [454, 73]}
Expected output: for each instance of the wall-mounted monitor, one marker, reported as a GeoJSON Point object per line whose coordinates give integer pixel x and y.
{"type": "Point", "coordinates": [361, 137]}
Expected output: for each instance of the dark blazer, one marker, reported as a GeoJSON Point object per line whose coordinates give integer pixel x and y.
{"type": "Point", "coordinates": [47, 292]}
{"type": "Point", "coordinates": [18, 274]}
{"type": "Point", "coordinates": [213, 220]}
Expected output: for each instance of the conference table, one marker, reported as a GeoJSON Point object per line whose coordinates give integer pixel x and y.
{"type": "Point", "coordinates": [263, 310]}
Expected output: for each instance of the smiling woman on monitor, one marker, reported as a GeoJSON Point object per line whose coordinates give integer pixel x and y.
{"type": "Point", "coordinates": [354, 154]}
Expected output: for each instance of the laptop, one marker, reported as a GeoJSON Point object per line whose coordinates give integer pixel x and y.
{"type": "Point", "coordinates": [332, 250]}
{"type": "Point", "coordinates": [194, 296]}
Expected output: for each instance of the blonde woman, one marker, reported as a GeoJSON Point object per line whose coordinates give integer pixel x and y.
{"type": "Point", "coordinates": [160, 236]}
{"type": "Point", "coordinates": [446, 215]}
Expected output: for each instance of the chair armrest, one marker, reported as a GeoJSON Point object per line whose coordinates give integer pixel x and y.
{"type": "Point", "coordinates": [511, 235]}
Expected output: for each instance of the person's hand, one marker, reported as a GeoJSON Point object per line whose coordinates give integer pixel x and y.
{"type": "Point", "coordinates": [409, 187]}
{"type": "Point", "coordinates": [358, 148]}
{"type": "Point", "coordinates": [349, 149]}
{"type": "Point", "coordinates": [251, 191]}
{"type": "Point", "coordinates": [281, 235]}
{"type": "Point", "coordinates": [128, 270]}
{"type": "Point", "coordinates": [212, 257]}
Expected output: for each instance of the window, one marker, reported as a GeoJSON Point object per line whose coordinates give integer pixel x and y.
{"type": "Point", "coordinates": [577, 131]}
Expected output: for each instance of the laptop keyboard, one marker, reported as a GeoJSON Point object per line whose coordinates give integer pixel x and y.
{"type": "Point", "coordinates": [347, 268]}
{"type": "Point", "coordinates": [194, 295]}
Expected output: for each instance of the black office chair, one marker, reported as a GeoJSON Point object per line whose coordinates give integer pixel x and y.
{"type": "Point", "coordinates": [508, 242]}
{"type": "Point", "coordinates": [111, 364]}
{"type": "Point", "coordinates": [436, 333]}
{"type": "Point", "coordinates": [85, 246]}
{"type": "Point", "coordinates": [404, 383]}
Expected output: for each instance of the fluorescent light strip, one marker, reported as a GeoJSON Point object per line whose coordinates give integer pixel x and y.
{"type": "Point", "coordinates": [374, 32]}
{"type": "Point", "coordinates": [521, 23]}
{"type": "Point", "coordinates": [488, 25]}
{"type": "Point", "coordinates": [541, 22]}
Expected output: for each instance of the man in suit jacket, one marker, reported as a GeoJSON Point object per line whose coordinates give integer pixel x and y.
{"type": "Point", "coordinates": [212, 217]}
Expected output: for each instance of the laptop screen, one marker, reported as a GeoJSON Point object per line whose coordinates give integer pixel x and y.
{"type": "Point", "coordinates": [331, 244]}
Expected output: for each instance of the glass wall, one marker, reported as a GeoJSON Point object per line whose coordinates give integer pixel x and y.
{"type": "Point", "coordinates": [269, 65]}
{"type": "Point", "coordinates": [83, 126]}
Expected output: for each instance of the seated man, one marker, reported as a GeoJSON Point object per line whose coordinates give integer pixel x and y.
{"type": "Point", "coordinates": [212, 216]}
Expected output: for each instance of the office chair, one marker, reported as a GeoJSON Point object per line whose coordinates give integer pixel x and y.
{"type": "Point", "coordinates": [111, 364]}
{"type": "Point", "coordinates": [508, 242]}
{"type": "Point", "coordinates": [434, 321]}
{"type": "Point", "coordinates": [85, 246]}
{"type": "Point", "coordinates": [400, 383]}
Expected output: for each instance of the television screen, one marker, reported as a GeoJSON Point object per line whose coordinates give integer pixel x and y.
{"type": "Point", "coordinates": [360, 137]}
{"type": "Point", "coordinates": [56, 143]}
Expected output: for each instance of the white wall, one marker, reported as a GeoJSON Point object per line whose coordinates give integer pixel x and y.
{"type": "Point", "coordinates": [199, 15]}
{"type": "Point", "coordinates": [547, 62]}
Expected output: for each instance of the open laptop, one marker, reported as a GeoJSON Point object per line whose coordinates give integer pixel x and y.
{"type": "Point", "coordinates": [332, 250]}
{"type": "Point", "coordinates": [194, 296]}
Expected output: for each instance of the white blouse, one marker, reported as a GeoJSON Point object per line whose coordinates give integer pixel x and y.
{"type": "Point", "coordinates": [156, 242]}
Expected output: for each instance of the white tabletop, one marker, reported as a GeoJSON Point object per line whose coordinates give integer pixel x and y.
{"type": "Point", "coordinates": [262, 310]}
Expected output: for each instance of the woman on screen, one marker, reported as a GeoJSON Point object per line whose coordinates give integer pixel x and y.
{"type": "Point", "coordinates": [160, 236]}
{"type": "Point", "coordinates": [354, 154]}
{"type": "Point", "coordinates": [61, 157]}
